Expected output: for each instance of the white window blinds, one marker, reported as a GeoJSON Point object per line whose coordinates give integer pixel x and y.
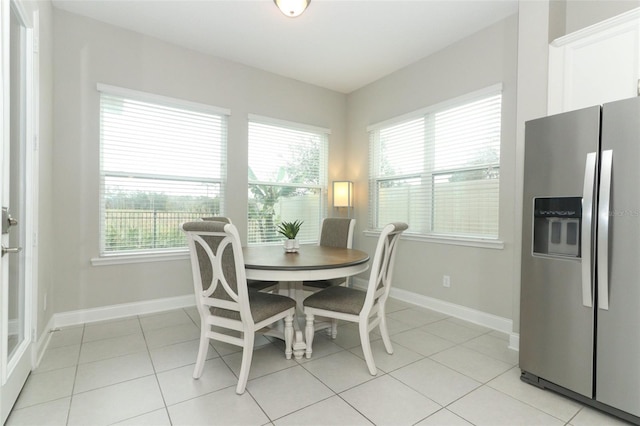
{"type": "Point", "coordinates": [440, 171]}
{"type": "Point", "coordinates": [162, 163]}
{"type": "Point", "coordinates": [287, 178]}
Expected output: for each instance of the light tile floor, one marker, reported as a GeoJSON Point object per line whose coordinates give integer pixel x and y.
{"type": "Point", "coordinates": [137, 371]}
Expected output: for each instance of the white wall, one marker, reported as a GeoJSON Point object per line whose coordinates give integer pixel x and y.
{"type": "Point", "coordinates": [481, 278]}
{"type": "Point", "coordinates": [87, 52]}
{"type": "Point", "coordinates": [46, 241]}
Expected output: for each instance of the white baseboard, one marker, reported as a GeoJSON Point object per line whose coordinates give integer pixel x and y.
{"type": "Point", "coordinates": [514, 341]}
{"type": "Point", "coordinates": [42, 343]}
{"type": "Point", "coordinates": [491, 321]}
{"type": "Point", "coordinates": [65, 319]}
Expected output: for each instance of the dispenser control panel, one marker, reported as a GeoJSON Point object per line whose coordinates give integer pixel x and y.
{"type": "Point", "coordinates": [557, 226]}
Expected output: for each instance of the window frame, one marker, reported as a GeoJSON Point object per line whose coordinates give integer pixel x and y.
{"type": "Point", "coordinates": [426, 113]}
{"type": "Point", "coordinates": [163, 254]}
{"type": "Point", "coordinates": [324, 133]}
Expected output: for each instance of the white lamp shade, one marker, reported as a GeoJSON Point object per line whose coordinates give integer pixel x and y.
{"type": "Point", "coordinates": [343, 193]}
{"type": "Point", "coordinates": [292, 8]}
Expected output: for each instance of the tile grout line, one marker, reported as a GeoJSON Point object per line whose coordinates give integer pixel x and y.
{"type": "Point", "coordinates": [75, 376]}
{"type": "Point", "coordinates": [155, 372]}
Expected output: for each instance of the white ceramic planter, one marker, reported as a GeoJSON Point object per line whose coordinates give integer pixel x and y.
{"type": "Point", "coordinates": [291, 246]}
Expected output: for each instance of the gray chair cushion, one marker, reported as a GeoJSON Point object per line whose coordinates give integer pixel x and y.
{"type": "Point", "coordinates": [263, 306]}
{"type": "Point", "coordinates": [399, 226]}
{"type": "Point", "coordinates": [335, 232]}
{"type": "Point", "coordinates": [337, 299]}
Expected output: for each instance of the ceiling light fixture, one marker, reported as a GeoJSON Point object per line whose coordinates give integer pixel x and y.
{"type": "Point", "coordinates": [292, 8]}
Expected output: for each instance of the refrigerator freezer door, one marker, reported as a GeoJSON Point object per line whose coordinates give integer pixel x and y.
{"type": "Point", "coordinates": [618, 331]}
{"type": "Point", "coordinates": [556, 329]}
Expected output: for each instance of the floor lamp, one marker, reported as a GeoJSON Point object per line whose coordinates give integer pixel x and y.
{"type": "Point", "coordinates": [343, 195]}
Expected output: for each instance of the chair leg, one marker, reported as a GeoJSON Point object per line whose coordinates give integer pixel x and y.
{"type": "Point", "coordinates": [384, 331]}
{"type": "Point", "coordinates": [366, 347]}
{"type": "Point", "coordinates": [247, 355]}
{"type": "Point", "coordinates": [334, 328]}
{"type": "Point", "coordinates": [202, 351]}
{"type": "Point", "coordinates": [309, 332]}
{"type": "Point", "coordinates": [288, 336]}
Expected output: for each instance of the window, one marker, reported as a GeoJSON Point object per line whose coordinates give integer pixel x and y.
{"type": "Point", "coordinates": [162, 163]}
{"type": "Point", "coordinates": [287, 178]}
{"type": "Point", "coordinates": [439, 169]}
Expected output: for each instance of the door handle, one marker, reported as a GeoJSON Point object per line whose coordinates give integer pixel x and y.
{"type": "Point", "coordinates": [587, 208]}
{"type": "Point", "coordinates": [603, 229]}
{"type": "Point", "coordinates": [7, 220]}
{"type": "Point", "coordinates": [10, 250]}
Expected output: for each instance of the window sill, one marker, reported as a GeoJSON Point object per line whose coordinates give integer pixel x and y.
{"type": "Point", "coordinates": [121, 259]}
{"type": "Point", "coordinates": [494, 244]}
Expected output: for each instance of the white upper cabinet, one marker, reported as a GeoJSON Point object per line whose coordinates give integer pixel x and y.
{"type": "Point", "coordinates": [597, 64]}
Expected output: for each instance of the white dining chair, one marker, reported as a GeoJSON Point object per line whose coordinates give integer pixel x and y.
{"type": "Point", "coordinates": [226, 306]}
{"type": "Point", "coordinates": [334, 232]}
{"type": "Point", "coordinates": [257, 285]}
{"type": "Point", "coordinates": [367, 308]}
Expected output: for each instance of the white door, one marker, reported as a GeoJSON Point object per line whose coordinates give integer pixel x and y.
{"type": "Point", "coordinates": [17, 125]}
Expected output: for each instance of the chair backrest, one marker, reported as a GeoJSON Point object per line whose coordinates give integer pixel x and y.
{"type": "Point", "coordinates": [218, 271]}
{"type": "Point", "coordinates": [337, 232]}
{"type": "Point", "coordinates": [217, 219]}
{"type": "Point", "coordinates": [382, 266]}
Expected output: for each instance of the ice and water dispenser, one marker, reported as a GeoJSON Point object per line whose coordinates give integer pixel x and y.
{"type": "Point", "coordinates": [556, 226]}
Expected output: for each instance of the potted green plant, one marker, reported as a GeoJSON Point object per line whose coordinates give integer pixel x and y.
{"type": "Point", "coordinates": [290, 231]}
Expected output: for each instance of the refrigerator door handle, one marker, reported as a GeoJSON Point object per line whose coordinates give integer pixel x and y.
{"type": "Point", "coordinates": [603, 229]}
{"type": "Point", "coordinates": [587, 226]}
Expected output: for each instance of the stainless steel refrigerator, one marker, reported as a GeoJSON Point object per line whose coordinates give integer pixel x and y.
{"type": "Point", "coordinates": [580, 294]}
